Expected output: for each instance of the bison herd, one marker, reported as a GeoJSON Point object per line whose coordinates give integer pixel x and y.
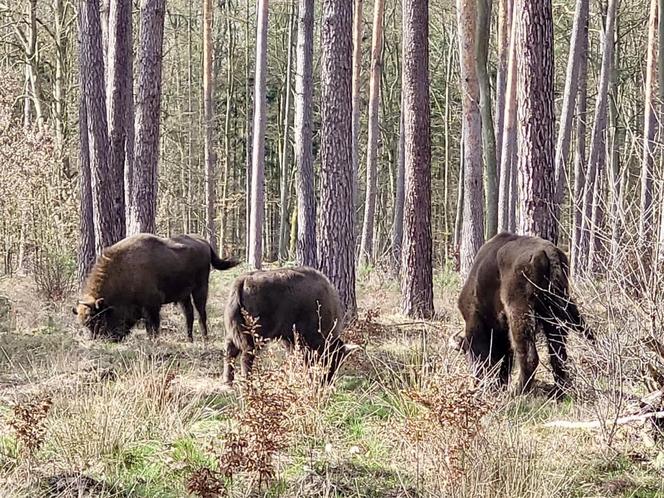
{"type": "Point", "coordinates": [517, 286]}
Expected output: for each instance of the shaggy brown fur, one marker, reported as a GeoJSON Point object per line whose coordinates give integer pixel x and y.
{"type": "Point", "coordinates": [284, 300]}
{"type": "Point", "coordinates": [517, 285]}
{"type": "Point", "coordinates": [135, 277]}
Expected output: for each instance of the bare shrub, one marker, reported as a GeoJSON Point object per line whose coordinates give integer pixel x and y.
{"type": "Point", "coordinates": [28, 423]}
{"type": "Point", "coordinates": [55, 275]}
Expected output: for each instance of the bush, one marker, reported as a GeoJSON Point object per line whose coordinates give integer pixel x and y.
{"type": "Point", "coordinates": [55, 275]}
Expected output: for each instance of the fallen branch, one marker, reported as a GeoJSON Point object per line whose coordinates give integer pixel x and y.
{"type": "Point", "coordinates": [596, 424]}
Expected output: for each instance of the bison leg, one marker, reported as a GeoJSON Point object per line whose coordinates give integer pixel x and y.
{"type": "Point", "coordinates": [555, 338]}
{"type": "Point", "coordinates": [152, 322]}
{"type": "Point", "coordinates": [247, 362]}
{"type": "Point", "coordinates": [188, 311]}
{"type": "Point", "coordinates": [232, 352]}
{"type": "Point", "coordinates": [522, 331]}
{"type": "Point", "coordinates": [200, 297]}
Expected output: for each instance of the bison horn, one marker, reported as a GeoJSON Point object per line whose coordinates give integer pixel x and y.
{"type": "Point", "coordinates": [456, 342]}
{"type": "Point", "coordinates": [99, 303]}
{"type": "Point", "coordinates": [351, 347]}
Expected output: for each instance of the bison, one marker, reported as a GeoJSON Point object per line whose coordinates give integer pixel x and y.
{"type": "Point", "coordinates": [290, 304]}
{"type": "Point", "coordinates": [133, 278]}
{"type": "Point", "coordinates": [516, 286]}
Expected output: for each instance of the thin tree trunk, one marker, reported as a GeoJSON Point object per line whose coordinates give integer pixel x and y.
{"type": "Point", "coordinates": [483, 34]}
{"type": "Point", "coordinates": [416, 263]}
{"type": "Point", "coordinates": [285, 170]}
{"type": "Point", "coordinates": [367, 243]}
{"type": "Point", "coordinates": [597, 142]}
{"type": "Point", "coordinates": [579, 30]}
{"type": "Point", "coordinates": [230, 104]}
{"type": "Point", "coordinates": [356, 88]}
{"type": "Point", "coordinates": [248, 139]}
{"type": "Point", "coordinates": [258, 157]}
{"type": "Point", "coordinates": [208, 110]}
{"type": "Point", "coordinates": [617, 139]}
{"type": "Point", "coordinates": [336, 236]}
{"type": "Point", "coordinates": [306, 199]}
{"type": "Point", "coordinates": [397, 226]}
{"type": "Point", "coordinates": [660, 26]}
{"type": "Point", "coordinates": [472, 231]}
{"type": "Point", "coordinates": [504, 28]}
{"type": "Point", "coordinates": [506, 195]}
{"type": "Point", "coordinates": [148, 103]}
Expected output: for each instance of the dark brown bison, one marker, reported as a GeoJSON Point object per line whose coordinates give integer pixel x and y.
{"type": "Point", "coordinates": [284, 302]}
{"type": "Point", "coordinates": [518, 285]}
{"type": "Point", "coordinates": [132, 279]}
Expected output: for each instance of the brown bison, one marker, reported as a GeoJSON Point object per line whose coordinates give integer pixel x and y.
{"type": "Point", "coordinates": [516, 286]}
{"type": "Point", "coordinates": [132, 279]}
{"type": "Point", "coordinates": [285, 302]}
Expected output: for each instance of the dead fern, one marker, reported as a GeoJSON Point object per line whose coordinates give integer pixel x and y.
{"type": "Point", "coordinates": [28, 423]}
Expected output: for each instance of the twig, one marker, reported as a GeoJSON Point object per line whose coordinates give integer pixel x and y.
{"type": "Point", "coordinates": [596, 424]}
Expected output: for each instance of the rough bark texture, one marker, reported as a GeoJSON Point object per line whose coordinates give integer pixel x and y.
{"type": "Point", "coordinates": [472, 230]}
{"type": "Point", "coordinates": [148, 111]}
{"type": "Point", "coordinates": [208, 111]}
{"type": "Point", "coordinates": [366, 245]}
{"type": "Point", "coordinates": [397, 226]}
{"type": "Point", "coordinates": [356, 85]}
{"type": "Point", "coordinates": [306, 199]}
{"type": "Point", "coordinates": [536, 119]}
{"type": "Point", "coordinates": [107, 193]}
{"type": "Point", "coordinates": [597, 154]}
{"type": "Point", "coordinates": [507, 195]}
{"type": "Point", "coordinates": [483, 34]}
{"type": "Point", "coordinates": [580, 154]}
{"type": "Point", "coordinates": [336, 238]}
{"type": "Point", "coordinates": [646, 231]}
{"type": "Point", "coordinates": [416, 263]}
{"type": "Point", "coordinates": [258, 149]}
{"type": "Point", "coordinates": [579, 30]}
{"type": "Point", "coordinates": [118, 93]}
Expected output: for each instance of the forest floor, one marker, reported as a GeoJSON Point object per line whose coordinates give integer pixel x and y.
{"type": "Point", "coordinates": [82, 418]}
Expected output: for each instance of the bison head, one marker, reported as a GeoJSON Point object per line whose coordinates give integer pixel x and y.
{"type": "Point", "coordinates": [101, 320]}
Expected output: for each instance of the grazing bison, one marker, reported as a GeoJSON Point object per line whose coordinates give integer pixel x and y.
{"type": "Point", "coordinates": [284, 301]}
{"type": "Point", "coordinates": [517, 285]}
{"type": "Point", "coordinates": [135, 277]}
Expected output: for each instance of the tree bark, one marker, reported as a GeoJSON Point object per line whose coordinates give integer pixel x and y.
{"type": "Point", "coordinates": [208, 111]}
{"type": "Point", "coordinates": [472, 230]}
{"type": "Point", "coordinates": [336, 237]}
{"type": "Point", "coordinates": [397, 226]}
{"type": "Point", "coordinates": [258, 156]}
{"type": "Point", "coordinates": [367, 243]}
{"type": "Point", "coordinates": [107, 193]}
{"type": "Point", "coordinates": [483, 34]}
{"type": "Point", "coordinates": [416, 263]}
{"type": "Point", "coordinates": [118, 94]}
{"type": "Point", "coordinates": [504, 28]}
{"type": "Point", "coordinates": [579, 30]}
{"type": "Point", "coordinates": [596, 157]}
{"type": "Point", "coordinates": [356, 88]}
{"type": "Point", "coordinates": [536, 119]}
{"type": "Point", "coordinates": [148, 103]}
{"type": "Point", "coordinates": [646, 231]}
{"type": "Point", "coordinates": [306, 199]}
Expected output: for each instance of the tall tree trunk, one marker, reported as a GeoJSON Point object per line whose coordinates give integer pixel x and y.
{"type": "Point", "coordinates": [118, 91]}
{"type": "Point", "coordinates": [660, 26]}
{"type": "Point", "coordinates": [616, 171]}
{"type": "Point", "coordinates": [248, 132]}
{"type": "Point", "coordinates": [646, 231]}
{"type": "Point", "coordinates": [506, 195]}
{"type": "Point", "coordinates": [472, 231]}
{"type": "Point", "coordinates": [148, 112]}
{"type": "Point", "coordinates": [597, 155]}
{"type": "Point", "coordinates": [285, 170]}
{"type": "Point", "coordinates": [107, 194]}
{"type": "Point", "coordinates": [579, 30]}
{"type": "Point", "coordinates": [59, 93]}
{"type": "Point", "coordinates": [483, 34]}
{"type": "Point", "coordinates": [416, 263]}
{"type": "Point", "coordinates": [397, 226]}
{"type": "Point", "coordinates": [366, 245]}
{"type": "Point", "coordinates": [336, 236]}
{"type": "Point", "coordinates": [356, 88]}
{"type": "Point", "coordinates": [306, 199]}
{"type": "Point", "coordinates": [230, 105]}
{"type": "Point", "coordinates": [504, 27]}
{"type": "Point", "coordinates": [536, 119]}
{"type": "Point", "coordinates": [580, 156]}
{"type": "Point", "coordinates": [258, 157]}
{"type": "Point", "coordinates": [208, 111]}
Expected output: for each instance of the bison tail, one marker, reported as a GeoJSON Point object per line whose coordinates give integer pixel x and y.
{"type": "Point", "coordinates": [233, 314]}
{"type": "Point", "coordinates": [221, 264]}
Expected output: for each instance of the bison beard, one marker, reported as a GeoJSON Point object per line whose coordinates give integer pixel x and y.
{"type": "Point", "coordinates": [132, 279]}
{"type": "Point", "coordinates": [516, 286]}
{"type": "Point", "coordinates": [284, 301]}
